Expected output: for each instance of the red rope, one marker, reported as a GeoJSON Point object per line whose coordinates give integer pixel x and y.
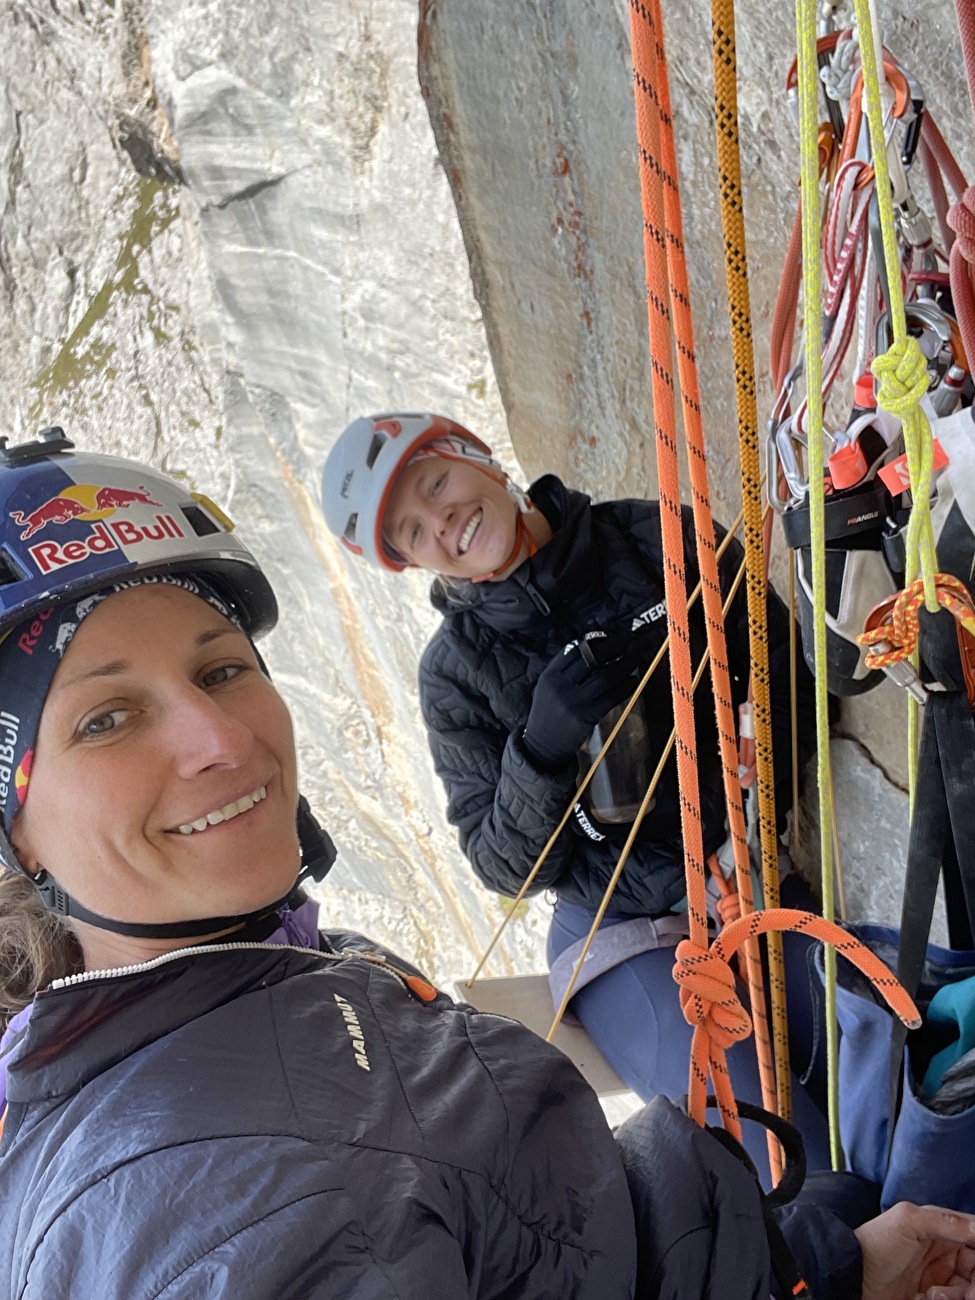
{"type": "Point", "coordinates": [965, 12]}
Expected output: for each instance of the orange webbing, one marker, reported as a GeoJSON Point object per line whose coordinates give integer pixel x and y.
{"type": "Point", "coordinates": [711, 1003]}
{"type": "Point", "coordinates": [680, 307]}
{"type": "Point", "coordinates": [901, 633]}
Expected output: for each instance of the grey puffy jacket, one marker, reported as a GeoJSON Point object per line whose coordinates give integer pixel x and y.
{"type": "Point", "coordinates": [602, 569]}
{"type": "Point", "coordinates": [267, 1123]}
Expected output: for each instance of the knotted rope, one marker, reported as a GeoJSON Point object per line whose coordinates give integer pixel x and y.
{"type": "Point", "coordinates": [668, 305]}
{"type": "Point", "coordinates": [961, 218]}
{"type": "Point", "coordinates": [902, 630]}
{"type": "Point", "coordinates": [903, 388]}
{"type": "Point", "coordinates": [710, 1001]}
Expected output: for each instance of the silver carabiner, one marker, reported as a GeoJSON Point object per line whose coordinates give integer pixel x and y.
{"type": "Point", "coordinates": [925, 314]}
{"type": "Point", "coordinates": [785, 444]}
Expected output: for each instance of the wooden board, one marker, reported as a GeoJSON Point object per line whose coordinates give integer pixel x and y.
{"type": "Point", "coordinates": [527, 998]}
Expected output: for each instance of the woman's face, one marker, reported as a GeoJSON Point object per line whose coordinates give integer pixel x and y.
{"type": "Point", "coordinates": [451, 518]}
{"type": "Point", "coordinates": [159, 721]}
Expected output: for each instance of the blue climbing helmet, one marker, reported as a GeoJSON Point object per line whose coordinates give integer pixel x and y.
{"type": "Point", "coordinates": [71, 522]}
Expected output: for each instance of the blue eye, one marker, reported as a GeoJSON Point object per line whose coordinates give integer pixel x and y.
{"type": "Point", "coordinates": [102, 723]}
{"type": "Point", "coordinates": [223, 673]}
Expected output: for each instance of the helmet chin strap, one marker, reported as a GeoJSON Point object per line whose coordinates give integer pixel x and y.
{"type": "Point", "coordinates": [318, 854]}
{"type": "Point", "coordinates": [523, 537]}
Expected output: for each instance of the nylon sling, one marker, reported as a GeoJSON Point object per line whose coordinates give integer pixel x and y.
{"type": "Point", "coordinates": [942, 837]}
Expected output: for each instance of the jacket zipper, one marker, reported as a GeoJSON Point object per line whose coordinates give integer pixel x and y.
{"type": "Point", "coordinates": [415, 984]}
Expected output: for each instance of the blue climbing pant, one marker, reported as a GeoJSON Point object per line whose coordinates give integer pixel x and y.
{"type": "Point", "coordinates": [632, 1014]}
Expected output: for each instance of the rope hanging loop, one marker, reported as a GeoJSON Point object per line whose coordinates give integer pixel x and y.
{"type": "Point", "coordinates": [710, 1002]}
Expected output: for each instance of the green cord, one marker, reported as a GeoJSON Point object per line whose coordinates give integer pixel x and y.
{"type": "Point", "coordinates": [808, 86]}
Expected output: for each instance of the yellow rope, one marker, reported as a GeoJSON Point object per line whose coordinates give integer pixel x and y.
{"type": "Point", "coordinates": [808, 87]}
{"type": "Point", "coordinates": [902, 371]}
{"type": "Point", "coordinates": [739, 306]}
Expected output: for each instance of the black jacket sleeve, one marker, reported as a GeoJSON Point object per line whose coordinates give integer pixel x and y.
{"type": "Point", "coordinates": [825, 1249]}
{"type": "Point", "coordinates": [504, 807]}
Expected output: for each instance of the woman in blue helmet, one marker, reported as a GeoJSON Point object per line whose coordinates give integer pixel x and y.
{"type": "Point", "coordinates": [552, 606]}
{"type": "Point", "coordinates": [206, 1096]}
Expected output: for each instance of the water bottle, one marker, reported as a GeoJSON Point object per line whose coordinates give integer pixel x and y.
{"type": "Point", "coordinates": [616, 791]}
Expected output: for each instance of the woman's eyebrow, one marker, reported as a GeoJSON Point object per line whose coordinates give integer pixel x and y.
{"type": "Point", "coordinates": [211, 635]}
{"type": "Point", "coordinates": [117, 667]}
{"type": "Point", "coordinates": [114, 669]}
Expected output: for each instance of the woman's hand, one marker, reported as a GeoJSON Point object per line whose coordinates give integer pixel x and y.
{"type": "Point", "coordinates": [581, 684]}
{"type": "Point", "coordinates": [916, 1251]}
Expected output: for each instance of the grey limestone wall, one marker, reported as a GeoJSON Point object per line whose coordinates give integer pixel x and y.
{"type": "Point", "coordinates": [532, 109]}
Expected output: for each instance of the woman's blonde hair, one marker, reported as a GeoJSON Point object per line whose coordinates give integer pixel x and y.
{"type": "Point", "coordinates": [36, 946]}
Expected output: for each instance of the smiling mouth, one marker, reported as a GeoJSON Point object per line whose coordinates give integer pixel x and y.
{"type": "Point", "coordinates": [225, 814]}
{"type": "Point", "coordinates": [468, 534]}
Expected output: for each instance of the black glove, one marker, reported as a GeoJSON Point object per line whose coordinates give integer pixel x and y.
{"type": "Point", "coordinates": [581, 684]}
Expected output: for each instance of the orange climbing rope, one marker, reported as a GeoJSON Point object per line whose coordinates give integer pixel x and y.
{"type": "Point", "coordinates": [898, 634]}
{"type": "Point", "coordinates": [708, 993]}
{"type": "Point", "coordinates": [644, 47]}
{"type": "Point", "coordinates": [651, 73]}
{"type": "Point", "coordinates": [563, 820]}
{"type": "Point", "coordinates": [711, 1003]}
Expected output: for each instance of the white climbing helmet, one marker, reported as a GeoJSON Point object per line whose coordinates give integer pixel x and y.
{"type": "Point", "coordinates": [362, 468]}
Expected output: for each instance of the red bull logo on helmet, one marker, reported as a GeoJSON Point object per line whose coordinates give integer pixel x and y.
{"type": "Point", "coordinates": [88, 501]}
{"type": "Point", "coordinates": [81, 501]}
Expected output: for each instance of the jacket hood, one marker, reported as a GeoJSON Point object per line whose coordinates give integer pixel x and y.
{"type": "Point", "coordinates": [533, 589]}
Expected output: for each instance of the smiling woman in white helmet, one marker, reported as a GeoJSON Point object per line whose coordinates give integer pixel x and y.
{"type": "Point", "coordinates": [551, 607]}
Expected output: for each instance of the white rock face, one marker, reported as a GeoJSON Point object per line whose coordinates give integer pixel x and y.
{"type": "Point", "coordinates": [310, 270]}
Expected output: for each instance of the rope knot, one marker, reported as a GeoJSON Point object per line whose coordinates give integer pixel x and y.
{"type": "Point", "coordinates": [709, 996]}
{"type": "Point", "coordinates": [903, 374]}
{"type": "Point", "coordinates": [899, 628]}
{"type": "Point", "coordinates": [961, 218]}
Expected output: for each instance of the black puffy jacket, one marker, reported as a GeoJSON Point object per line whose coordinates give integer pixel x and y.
{"type": "Point", "coordinates": [603, 568]}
